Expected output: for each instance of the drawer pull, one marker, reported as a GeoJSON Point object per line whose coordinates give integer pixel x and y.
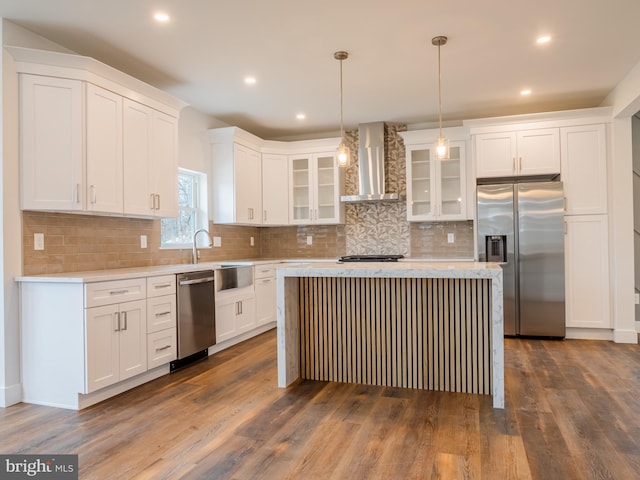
{"type": "Point", "coordinates": [159, 349]}
{"type": "Point", "coordinates": [163, 285]}
{"type": "Point", "coordinates": [163, 314]}
{"type": "Point", "coordinates": [118, 292]}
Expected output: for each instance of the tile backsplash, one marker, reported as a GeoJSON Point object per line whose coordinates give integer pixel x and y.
{"type": "Point", "coordinates": [85, 242]}
{"type": "Point", "coordinates": [76, 243]}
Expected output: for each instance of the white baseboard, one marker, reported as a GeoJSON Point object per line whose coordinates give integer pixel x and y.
{"type": "Point", "coordinates": [10, 395]}
{"type": "Point", "coordinates": [577, 333]}
{"type": "Point", "coordinates": [625, 336]}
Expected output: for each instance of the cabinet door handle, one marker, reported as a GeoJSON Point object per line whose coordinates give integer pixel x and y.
{"type": "Point", "coordinates": [94, 198]}
{"type": "Point", "coordinates": [240, 307]}
{"type": "Point", "coordinates": [520, 164]}
{"type": "Point", "coordinates": [116, 316]}
{"type": "Point", "coordinates": [159, 349]}
{"type": "Point", "coordinates": [152, 201]}
{"type": "Point", "coordinates": [77, 193]}
{"type": "Point", "coordinates": [124, 320]}
{"type": "Point", "coordinates": [157, 197]}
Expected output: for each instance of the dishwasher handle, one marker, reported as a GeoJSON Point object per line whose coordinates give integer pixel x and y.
{"type": "Point", "coordinates": [195, 280]}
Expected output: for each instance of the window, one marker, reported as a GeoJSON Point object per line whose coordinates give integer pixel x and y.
{"type": "Point", "coordinates": [192, 204]}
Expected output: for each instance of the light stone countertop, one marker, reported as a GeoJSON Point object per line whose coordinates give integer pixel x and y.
{"type": "Point", "coordinates": [138, 272]}
{"type": "Point", "coordinates": [405, 269]}
{"type": "Point", "coordinates": [330, 267]}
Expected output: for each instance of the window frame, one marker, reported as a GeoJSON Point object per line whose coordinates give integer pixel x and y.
{"type": "Point", "coordinates": [197, 208]}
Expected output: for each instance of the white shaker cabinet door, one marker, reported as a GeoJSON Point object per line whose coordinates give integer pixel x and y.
{"type": "Point", "coordinates": [138, 199]}
{"type": "Point", "coordinates": [164, 166]}
{"type": "Point", "coordinates": [104, 150]}
{"type": "Point", "coordinates": [133, 338]}
{"type": "Point", "coordinates": [587, 271]}
{"type": "Point", "coordinates": [584, 169]}
{"type": "Point", "coordinates": [51, 143]}
{"type": "Point", "coordinates": [275, 189]}
{"type": "Point", "coordinates": [103, 347]}
{"type": "Point", "coordinates": [538, 151]}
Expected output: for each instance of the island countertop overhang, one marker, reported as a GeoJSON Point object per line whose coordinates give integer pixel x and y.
{"type": "Point", "coordinates": [393, 270]}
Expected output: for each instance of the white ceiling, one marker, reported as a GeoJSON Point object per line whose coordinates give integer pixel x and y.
{"type": "Point", "coordinates": [209, 46]}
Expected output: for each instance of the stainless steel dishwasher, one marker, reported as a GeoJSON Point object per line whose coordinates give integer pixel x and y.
{"type": "Point", "coordinates": [196, 317]}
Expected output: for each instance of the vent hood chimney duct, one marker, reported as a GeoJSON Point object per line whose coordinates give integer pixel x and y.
{"type": "Point", "coordinates": [371, 165]}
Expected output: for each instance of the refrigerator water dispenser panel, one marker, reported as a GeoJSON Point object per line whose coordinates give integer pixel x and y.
{"type": "Point", "coordinates": [496, 248]}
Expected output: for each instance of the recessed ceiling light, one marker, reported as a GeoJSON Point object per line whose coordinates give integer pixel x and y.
{"type": "Point", "coordinates": [525, 92]}
{"type": "Point", "coordinates": [543, 39]}
{"type": "Point", "coordinates": [161, 17]}
{"type": "Point", "coordinates": [250, 80]}
{"type": "Point", "coordinates": [301, 116]}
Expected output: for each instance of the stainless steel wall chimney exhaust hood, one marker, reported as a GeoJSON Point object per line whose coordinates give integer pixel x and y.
{"type": "Point", "coordinates": [371, 165]}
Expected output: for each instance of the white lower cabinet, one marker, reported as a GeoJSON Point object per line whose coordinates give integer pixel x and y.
{"type": "Point", "coordinates": [587, 271]}
{"type": "Point", "coordinates": [162, 338]}
{"type": "Point", "coordinates": [265, 290]}
{"type": "Point", "coordinates": [235, 312]}
{"type": "Point", "coordinates": [116, 337]}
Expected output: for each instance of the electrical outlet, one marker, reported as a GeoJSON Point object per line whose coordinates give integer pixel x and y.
{"type": "Point", "coordinates": [143, 241]}
{"type": "Point", "coordinates": [251, 242]}
{"type": "Point", "coordinates": [309, 240]}
{"type": "Point", "coordinates": [217, 241]}
{"type": "Point", "coordinates": [451, 238]}
{"type": "Point", "coordinates": [38, 241]}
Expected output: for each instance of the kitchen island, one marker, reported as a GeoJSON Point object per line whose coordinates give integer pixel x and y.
{"type": "Point", "coordinates": [434, 326]}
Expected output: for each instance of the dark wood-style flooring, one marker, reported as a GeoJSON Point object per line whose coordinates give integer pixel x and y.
{"type": "Point", "coordinates": [573, 412]}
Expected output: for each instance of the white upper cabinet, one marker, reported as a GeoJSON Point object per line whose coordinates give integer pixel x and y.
{"type": "Point", "coordinates": [437, 189]}
{"type": "Point", "coordinates": [275, 189]}
{"type": "Point", "coordinates": [316, 184]}
{"type": "Point", "coordinates": [584, 169]}
{"type": "Point", "coordinates": [104, 150]}
{"type": "Point", "coordinates": [236, 193]}
{"type": "Point", "coordinates": [51, 143]}
{"type": "Point", "coordinates": [509, 153]}
{"type": "Point", "coordinates": [82, 136]}
{"type": "Point", "coordinates": [150, 165]}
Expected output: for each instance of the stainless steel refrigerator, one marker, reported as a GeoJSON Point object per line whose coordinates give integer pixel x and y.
{"type": "Point", "coordinates": [521, 226]}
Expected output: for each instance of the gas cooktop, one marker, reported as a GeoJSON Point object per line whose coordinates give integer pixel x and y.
{"type": "Point", "coordinates": [369, 258]}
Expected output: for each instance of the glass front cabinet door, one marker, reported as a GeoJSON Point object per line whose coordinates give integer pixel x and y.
{"type": "Point", "coordinates": [436, 188]}
{"type": "Point", "coordinates": [316, 186]}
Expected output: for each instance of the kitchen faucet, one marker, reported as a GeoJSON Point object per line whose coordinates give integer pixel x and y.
{"type": "Point", "coordinates": [194, 254]}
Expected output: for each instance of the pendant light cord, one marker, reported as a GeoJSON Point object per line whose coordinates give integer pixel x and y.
{"type": "Point", "coordinates": [439, 93]}
{"type": "Point", "coordinates": [341, 119]}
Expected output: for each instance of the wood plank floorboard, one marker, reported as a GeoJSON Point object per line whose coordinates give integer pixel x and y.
{"type": "Point", "coordinates": [572, 412]}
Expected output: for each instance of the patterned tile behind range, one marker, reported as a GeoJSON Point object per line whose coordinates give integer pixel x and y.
{"type": "Point", "coordinates": [379, 227]}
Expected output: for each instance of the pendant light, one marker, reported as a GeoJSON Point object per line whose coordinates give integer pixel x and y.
{"type": "Point", "coordinates": [343, 155]}
{"type": "Point", "coordinates": [442, 148]}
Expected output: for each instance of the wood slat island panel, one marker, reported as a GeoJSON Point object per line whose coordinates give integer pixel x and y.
{"type": "Point", "coordinates": [412, 325]}
{"type": "Point", "coordinates": [424, 333]}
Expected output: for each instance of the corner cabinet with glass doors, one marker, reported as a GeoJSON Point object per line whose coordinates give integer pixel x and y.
{"type": "Point", "coordinates": [436, 188]}
{"type": "Point", "coordinates": [316, 184]}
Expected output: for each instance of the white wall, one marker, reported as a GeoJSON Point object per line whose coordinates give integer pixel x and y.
{"type": "Point", "coordinates": [193, 149]}
{"type": "Point", "coordinates": [625, 100]}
